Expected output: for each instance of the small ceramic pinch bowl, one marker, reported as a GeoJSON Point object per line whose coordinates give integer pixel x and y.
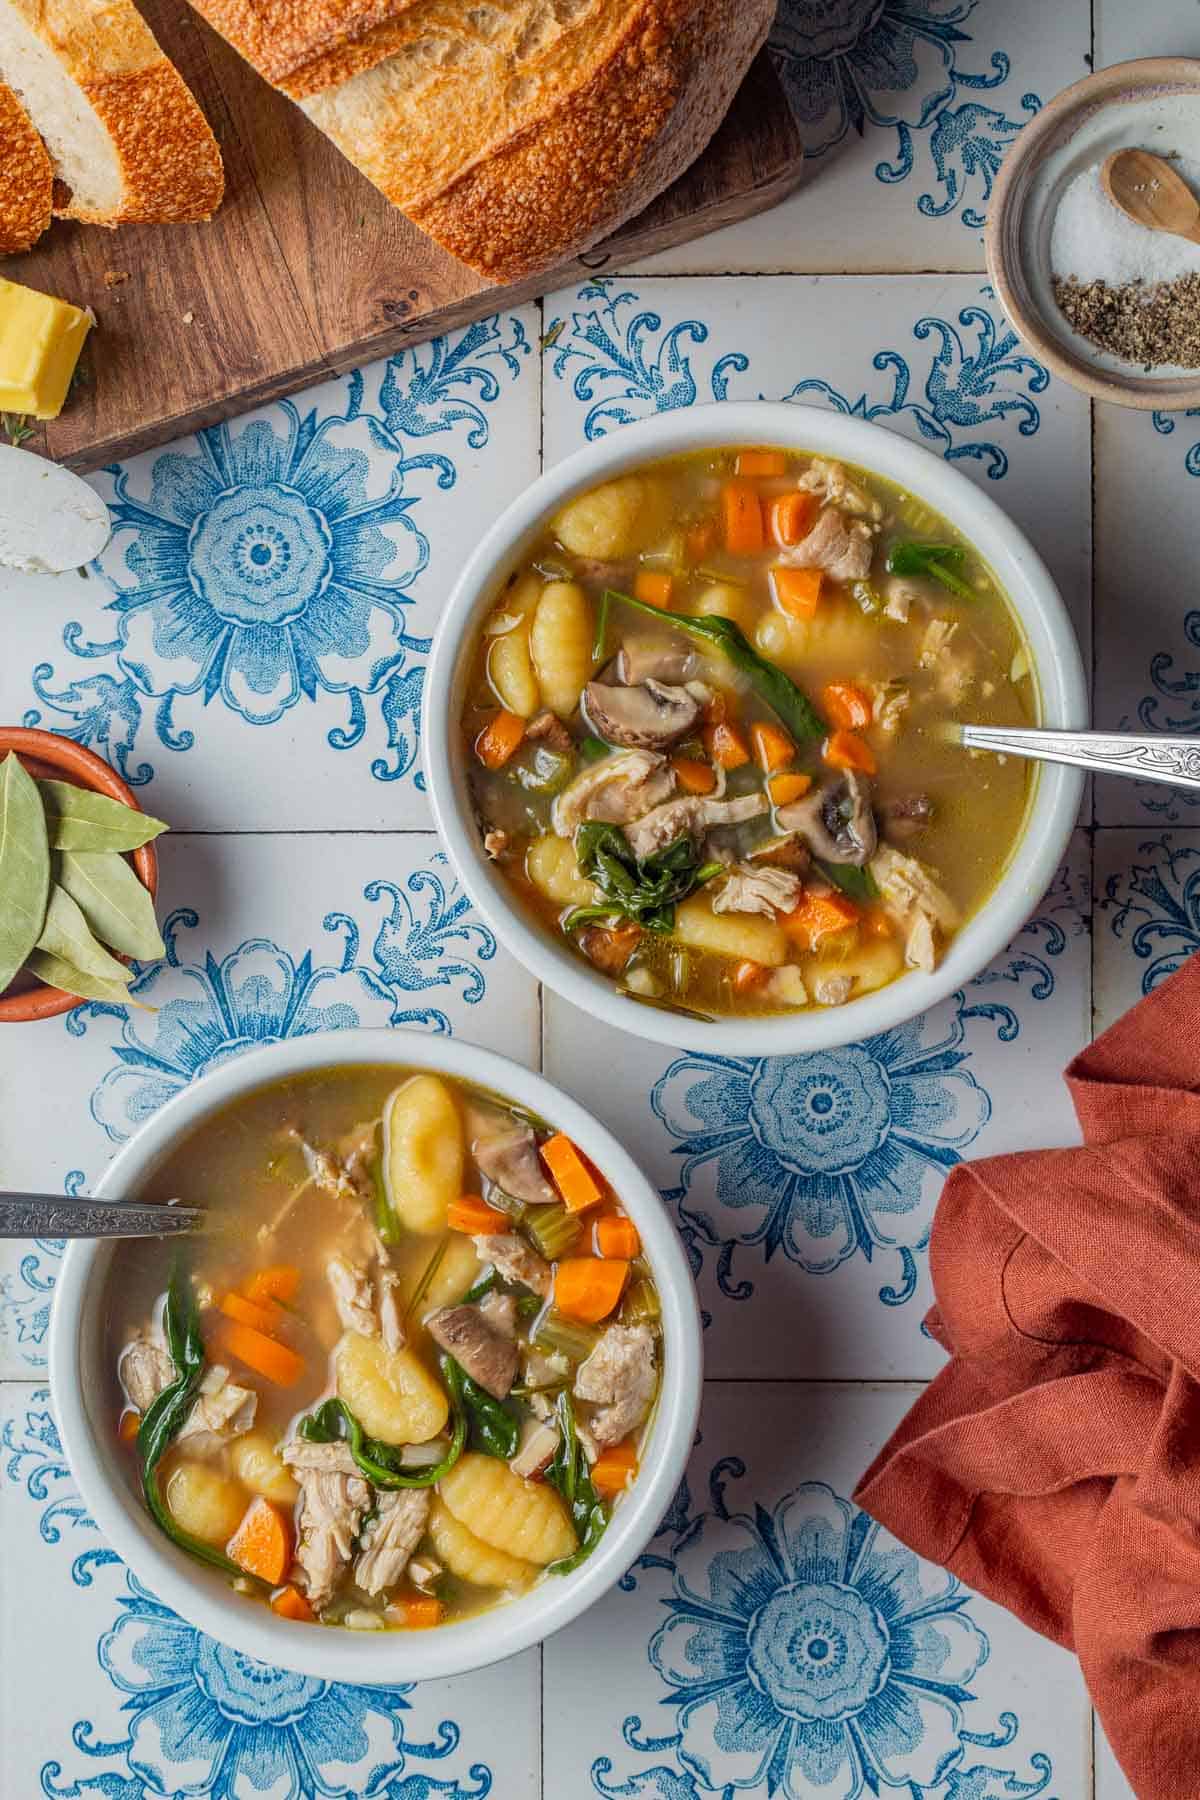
{"type": "Point", "coordinates": [1150, 104]}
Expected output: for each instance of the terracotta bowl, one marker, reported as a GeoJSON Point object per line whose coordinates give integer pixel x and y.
{"type": "Point", "coordinates": [46, 755]}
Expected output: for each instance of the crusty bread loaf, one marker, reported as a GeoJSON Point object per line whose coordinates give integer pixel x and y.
{"type": "Point", "coordinates": [26, 178]}
{"type": "Point", "coordinates": [125, 137]}
{"type": "Point", "coordinates": [515, 132]}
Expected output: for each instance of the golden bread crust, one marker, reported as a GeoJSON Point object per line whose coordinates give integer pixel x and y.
{"type": "Point", "coordinates": [26, 178]}
{"type": "Point", "coordinates": [278, 37]}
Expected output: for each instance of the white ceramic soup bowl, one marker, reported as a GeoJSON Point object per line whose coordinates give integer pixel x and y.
{"type": "Point", "coordinates": [84, 1395]}
{"type": "Point", "coordinates": [1058, 680]}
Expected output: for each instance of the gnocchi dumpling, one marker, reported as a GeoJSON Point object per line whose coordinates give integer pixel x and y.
{"type": "Point", "coordinates": [423, 1166]}
{"type": "Point", "coordinates": [740, 935]}
{"type": "Point", "coordinates": [605, 522]}
{"type": "Point", "coordinates": [458, 1270]}
{"type": "Point", "coordinates": [468, 1557]}
{"type": "Point", "coordinates": [203, 1502]}
{"type": "Point", "coordinates": [390, 1392]}
{"type": "Point", "coordinates": [553, 868]}
{"type": "Point", "coordinates": [525, 1519]}
{"type": "Point", "coordinates": [510, 671]}
{"type": "Point", "coordinates": [723, 600]}
{"type": "Point", "coordinates": [560, 643]}
{"type": "Point", "coordinates": [871, 964]}
{"type": "Point", "coordinates": [259, 1466]}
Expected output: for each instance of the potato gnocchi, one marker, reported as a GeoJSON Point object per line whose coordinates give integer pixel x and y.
{"type": "Point", "coordinates": [423, 1169]}
{"type": "Point", "coordinates": [390, 1392]}
{"type": "Point", "coordinates": [524, 1518]}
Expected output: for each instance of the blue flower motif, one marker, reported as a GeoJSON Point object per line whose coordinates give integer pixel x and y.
{"type": "Point", "coordinates": [1158, 907]}
{"type": "Point", "coordinates": [804, 1646]}
{"type": "Point", "coordinates": [1164, 424]}
{"type": "Point", "coordinates": [35, 1461]}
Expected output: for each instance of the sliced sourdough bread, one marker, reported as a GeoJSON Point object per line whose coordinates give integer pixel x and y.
{"type": "Point", "coordinates": [26, 178]}
{"type": "Point", "coordinates": [125, 137]}
{"type": "Point", "coordinates": [515, 132]}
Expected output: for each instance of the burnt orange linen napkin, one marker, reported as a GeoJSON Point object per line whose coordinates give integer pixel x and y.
{"type": "Point", "coordinates": [1054, 1464]}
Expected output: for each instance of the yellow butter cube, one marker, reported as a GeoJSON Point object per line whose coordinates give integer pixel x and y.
{"type": "Point", "coordinates": [40, 341]}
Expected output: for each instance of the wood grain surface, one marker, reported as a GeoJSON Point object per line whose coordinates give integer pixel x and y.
{"type": "Point", "coordinates": [307, 270]}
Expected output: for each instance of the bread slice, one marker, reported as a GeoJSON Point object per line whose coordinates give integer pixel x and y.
{"type": "Point", "coordinates": [125, 137]}
{"type": "Point", "coordinates": [515, 132]}
{"type": "Point", "coordinates": [26, 178]}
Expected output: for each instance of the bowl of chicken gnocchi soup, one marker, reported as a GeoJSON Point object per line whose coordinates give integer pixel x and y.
{"type": "Point", "coordinates": [419, 1391]}
{"type": "Point", "coordinates": [691, 728]}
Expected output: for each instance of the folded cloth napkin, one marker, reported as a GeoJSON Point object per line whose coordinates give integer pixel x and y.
{"type": "Point", "coordinates": [1054, 1463]}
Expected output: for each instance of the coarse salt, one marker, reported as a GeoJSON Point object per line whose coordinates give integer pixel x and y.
{"type": "Point", "coordinates": [1093, 240]}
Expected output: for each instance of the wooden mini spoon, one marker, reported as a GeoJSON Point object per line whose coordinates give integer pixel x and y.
{"type": "Point", "coordinates": [1151, 193]}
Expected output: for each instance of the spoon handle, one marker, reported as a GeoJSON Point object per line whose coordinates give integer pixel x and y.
{"type": "Point", "coordinates": [1175, 760]}
{"type": "Point", "coordinates": [56, 1216]}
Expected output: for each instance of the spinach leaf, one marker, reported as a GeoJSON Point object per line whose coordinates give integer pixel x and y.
{"type": "Point", "coordinates": [644, 891]}
{"type": "Point", "coordinates": [165, 1415]}
{"type": "Point", "coordinates": [770, 683]}
{"type": "Point", "coordinates": [941, 562]}
{"type": "Point", "coordinates": [334, 1423]}
{"type": "Point", "coordinates": [567, 1472]}
{"type": "Point", "coordinates": [859, 884]}
{"type": "Point", "coordinates": [493, 1427]}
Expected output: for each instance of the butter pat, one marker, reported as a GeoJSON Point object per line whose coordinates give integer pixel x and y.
{"type": "Point", "coordinates": [40, 341]}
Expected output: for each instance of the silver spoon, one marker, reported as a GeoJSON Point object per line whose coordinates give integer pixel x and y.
{"type": "Point", "coordinates": [1174, 760]}
{"type": "Point", "coordinates": [59, 1216]}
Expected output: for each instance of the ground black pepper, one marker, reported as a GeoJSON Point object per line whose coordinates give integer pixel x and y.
{"type": "Point", "coordinates": [1146, 323]}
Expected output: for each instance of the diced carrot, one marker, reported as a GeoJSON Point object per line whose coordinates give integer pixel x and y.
{"type": "Point", "coordinates": [846, 750]}
{"type": "Point", "coordinates": [499, 738]}
{"type": "Point", "coordinates": [290, 1603]}
{"type": "Point", "coordinates": [693, 776]}
{"type": "Point", "coordinates": [715, 707]}
{"type": "Point", "coordinates": [653, 586]}
{"type": "Point", "coordinates": [748, 976]}
{"type": "Point", "coordinates": [421, 1611]}
{"type": "Point", "coordinates": [127, 1427]}
{"type": "Point", "coordinates": [572, 1177]}
{"type": "Point", "coordinates": [614, 1469]}
{"type": "Point", "coordinates": [475, 1217]}
{"type": "Point", "coordinates": [279, 1282]}
{"type": "Point", "coordinates": [700, 539]}
{"type": "Point", "coordinates": [741, 511]}
{"type": "Point", "coordinates": [773, 748]}
{"type": "Point", "coordinates": [761, 462]}
{"type": "Point", "coordinates": [617, 1236]}
{"type": "Point", "coordinates": [588, 1287]}
{"type": "Point", "coordinates": [818, 916]}
{"type": "Point", "coordinates": [726, 745]}
{"type": "Point", "coordinates": [789, 517]}
{"type": "Point", "coordinates": [249, 1312]}
{"type": "Point", "coordinates": [275, 1361]}
{"type": "Point", "coordinates": [262, 1543]}
{"type": "Point", "coordinates": [797, 591]}
{"type": "Point", "coordinates": [783, 789]}
{"type": "Point", "coordinates": [847, 705]}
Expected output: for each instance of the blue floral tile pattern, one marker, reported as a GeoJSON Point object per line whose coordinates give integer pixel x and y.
{"type": "Point", "coordinates": [1153, 907]}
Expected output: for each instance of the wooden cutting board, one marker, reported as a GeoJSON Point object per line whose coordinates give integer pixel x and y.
{"type": "Point", "coordinates": [307, 270]}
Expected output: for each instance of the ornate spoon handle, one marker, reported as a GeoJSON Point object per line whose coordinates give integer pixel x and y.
{"type": "Point", "coordinates": [1175, 760]}
{"type": "Point", "coordinates": [54, 1216]}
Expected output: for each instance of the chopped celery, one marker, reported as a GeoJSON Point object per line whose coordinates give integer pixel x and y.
{"type": "Point", "coordinates": [546, 771]}
{"type": "Point", "coordinates": [483, 1287]}
{"type": "Point", "coordinates": [505, 1203]}
{"type": "Point", "coordinates": [593, 749]}
{"type": "Point", "coordinates": [640, 1306]}
{"type": "Point", "coordinates": [556, 1332]}
{"type": "Point", "coordinates": [551, 1229]}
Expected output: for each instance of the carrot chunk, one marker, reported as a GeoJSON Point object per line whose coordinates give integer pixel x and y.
{"type": "Point", "coordinates": [797, 591]}
{"type": "Point", "coordinates": [783, 789]}
{"type": "Point", "coordinates": [588, 1287]}
{"type": "Point", "coordinates": [279, 1282]}
{"type": "Point", "coordinates": [749, 975]}
{"type": "Point", "coordinates": [818, 916]}
{"type": "Point", "coordinates": [128, 1424]}
{"type": "Point", "coordinates": [653, 586]}
{"type": "Point", "coordinates": [761, 462]}
{"type": "Point", "coordinates": [617, 1236]}
{"type": "Point", "coordinates": [726, 745]}
{"type": "Point", "coordinates": [693, 776]}
{"type": "Point", "coordinates": [572, 1177]}
{"type": "Point", "coordinates": [773, 748]}
{"type": "Point", "coordinates": [475, 1217]}
{"type": "Point", "coordinates": [847, 705]}
{"type": "Point", "coordinates": [420, 1611]}
{"type": "Point", "coordinates": [700, 539]}
{"type": "Point", "coordinates": [499, 738]}
{"type": "Point", "coordinates": [741, 513]}
{"type": "Point", "coordinates": [846, 750]}
{"type": "Point", "coordinates": [790, 517]}
{"type": "Point", "coordinates": [249, 1312]}
{"type": "Point", "coordinates": [614, 1469]}
{"type": "Point", "coordinates": [290, 1603]}
{"type": "Point", "coordinates": [275, 1361]}
{"type": "Point", "coordinates": [715, 708]}
{"type": "Point", "coordinates": [262, 1543]}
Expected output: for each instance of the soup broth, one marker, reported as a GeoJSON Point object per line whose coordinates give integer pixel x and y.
{"type": "Point", "coordinates": [407, 1371]}
{"type": "Point", "coordinates": [707, 729]}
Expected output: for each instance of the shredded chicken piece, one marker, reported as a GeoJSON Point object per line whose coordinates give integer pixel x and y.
{"type": "Point", "coordinates": [352, 1296]}
{"type": "Point", "coordinates": [843, 547]}
{"type": "Point", "coordinates": [539, 1441]}
{"type": "Point", "coordinates": [954, 668]}
{"type": "Point", "coordinates": [505, 1150]}
{"type": "Point", "coordinates": [486, 1354]}
{"type": "Point", "coordinates": [220, 1411]}
{"type": "Point", "coordinates": [500, 1311]}
{"type": "Point", "coordinates": [900, 594]}
{"type": "Point", "coordinates": [691, 816]}
{"type": "Point", "coordinates": [495, 842]}
{"type": "Point", "coordinates": [832, 990]}
{"type": "Point", "coordinates": [144, 1370]}
{"type": "Point", "coordinates": [758, 890]}
{"type": "Point", "coordinates": [425, 1572]}
{"type": "Point", "coordinates": [329, 1513]}
{"type": "Point", "coordinates": [920, 946]}
{"type": "Point", "coordinates": [616, 789]}
{"type": "Point", "coordinates": [617, 1380]}
{"type": "Point", "coordinates": [888, 702]}
{"type": "Point", "coordinates": [513, 1259]}
{"type": "Point", "coordinates": [390, 1537]}
{"type": "Point", "coordinates": [391, 1309]}
{"type": "Point", "coordinates": [830, 481]}
{"type": "Point", "coordinates": [914, 899]}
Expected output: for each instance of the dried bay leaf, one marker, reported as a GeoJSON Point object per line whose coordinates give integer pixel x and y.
{"type": "Point", "coordinates": [67, 937]}
{"type": "Point", "coordinates": [79, 819]}
{"type": "Point", "coordinates": [24, 866]}
{"type": "Point", "coordinates": [57, 973]}
{"type": "Point", "coordinates": [113, 901]}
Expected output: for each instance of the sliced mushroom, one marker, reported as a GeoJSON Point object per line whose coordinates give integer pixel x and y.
{"type": "Point", "coordinates": [648, 716]}
{"type": "Point", "coordinates": [487, 1356]}
{"type": "Point", "coordinates": [654, 659]}
{"type": "Point", "coordinates": [836, 821]}
{"type": "Point", "coordinates": [505, 1150]}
